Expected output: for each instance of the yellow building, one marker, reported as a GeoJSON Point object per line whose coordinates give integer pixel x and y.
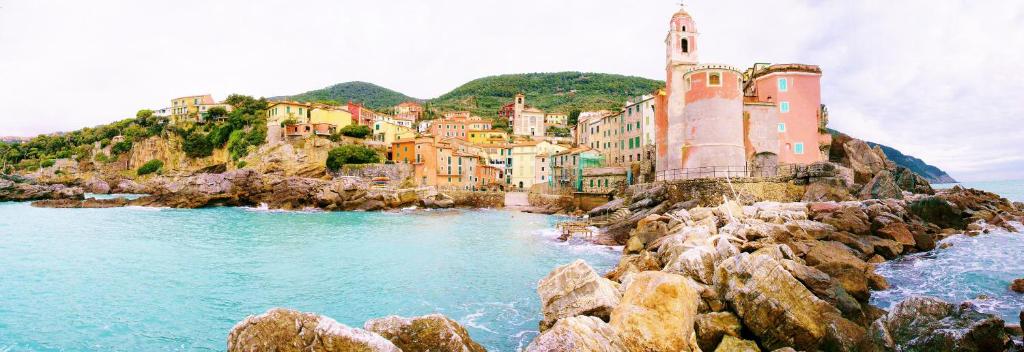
{"type": "Point", "coordinates": [388, 133]}
{"type": "Point", "coordinates": [556, 118]}
{"type": "Point", "coordinates": [487, 136]}
{"type": "Point", "coordinates": [333, 115]}
{"type": "Point", "coordinates": [186, 109]}
{"type": "Point", "coordinates": [280, 111]}
{"type": "Point", "coordinates": [524, 161]}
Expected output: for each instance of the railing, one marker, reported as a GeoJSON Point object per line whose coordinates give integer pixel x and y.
{"type": "Point", "coordinates": [726, 172]}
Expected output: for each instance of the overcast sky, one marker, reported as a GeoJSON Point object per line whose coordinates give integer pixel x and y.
{"type": "Point", "coordinates": [940, 80]}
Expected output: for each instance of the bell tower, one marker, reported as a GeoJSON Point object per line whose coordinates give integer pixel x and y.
{"type": "Point", "coordinates": [680, 57]}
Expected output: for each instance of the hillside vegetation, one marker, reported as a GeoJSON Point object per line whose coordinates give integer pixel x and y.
{"type": "Point", "coordinates": [555, 92]}
{"type": "Point", "coordinates": [370, 95]}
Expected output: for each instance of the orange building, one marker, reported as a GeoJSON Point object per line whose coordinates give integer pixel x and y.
{"type": "Point", "coordinates": [458, 126]}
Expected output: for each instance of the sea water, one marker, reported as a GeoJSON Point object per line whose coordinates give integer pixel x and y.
{"type": "Point", "coordinates": [978, 269]}
{"type": "Point", "coordinates": [147, 279]}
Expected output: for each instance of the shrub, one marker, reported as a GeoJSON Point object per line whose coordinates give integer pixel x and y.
{"type": "Point", "coordinates": [150, 167]}
{"type": "Point", "coordinates": [103, 158]}
{"type": "Point", "coordinates": [46, 163]}
{"type": "Point", "coordinates": [196, 145]}
{"type": "Point", "coordinates": [351, 154]}
{"type": "Point", "coordinates": [356, 131]}
{"type": "Point", "coordinates": [240, 164]}
{"type": "Point", "coordinates": [121, 147]}
{"type": "Point", "coordinates": [144, 114]}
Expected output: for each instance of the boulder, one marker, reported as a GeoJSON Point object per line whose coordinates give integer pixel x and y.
{"type": "Point", "coordinates": [882, 186]}
{"type": "Point", "coordinates": [911, 182]}
{"type": "Point", "coordinates": [632, 264]}
{"type": "Point", "coordinates": [96, 185]}
{"type": "Point", "coordinates": [929, 324]}
{"type": "Point", "coordinates": [938, 211]}
{"type": "Point", "coordinates": [850, 218]}
{"type": "Point", "coordinates": [827, 189]}
{"type": "Point", "coordinates": [20, 190]}
{"type": "Point", "coordinates": [287, 330]}
{"type": "Point", "coordinates": [854, 242]}
{"type": "Point", "coordinates": [657, 313]}
{"type": "Point", "coordinates": [829, 290]}
{"type": "Point", "coordinates": [433, 332]}
{"type": "Point", "coordinates": [1017, 286]}
{"type": "Point", "coordinates": [772, 304]}
{"type": "Point", "coordinates": [575, 289]}
{"type": "Point", "coordinates": [888, 249]}
{"type": "Point", "coordinates": [858, 155]}
{"type": "Point", "coordinates": [648, 230]}
{"type": "Point", "coordinates": [839, 262]}
{"type": "Point", "coordinates": [712, 327]}
{"type": "Point", "coordinates": [735, 344]}
{"type": "Point", "coordinates": [898, 232]}
{"type": "Point", "coordinates": [578, 334]}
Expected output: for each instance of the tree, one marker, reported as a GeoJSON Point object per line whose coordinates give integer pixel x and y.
{"type": "Point", "coordinates": [197, 145]}
{"type": "Point", "coordinates": [216, 112]}
{"type": "Point", "coordinates": [121, 147]}
{"type": "Point", "coordinates": [144, 114]}
{"type": "Point", "coordinates": [558, 131]}
{"type": "Point", "coordinates": [351, 154]}
{"type": "Point", "coordinates": [150, 167]}
{"type": "Point", "coordinates": [356, 131]}
{"type": "Point", "coordinates": [574, 117]}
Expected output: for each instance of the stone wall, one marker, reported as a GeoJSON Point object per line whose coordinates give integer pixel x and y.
{"type": "Point", "coordinates": [395, 172]}
{"type": "Point", "coordinates": [560, 201]}
{"type": "Point", "coordinates": [709, 191]}
{"type": "Point", "coordinates": [477, 199]}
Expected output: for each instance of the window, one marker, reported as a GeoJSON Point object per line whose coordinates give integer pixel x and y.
{"type": "Point", "coordinates": [782, 127]}
{"type": "Point", "coordinates": [715, 79]}
{"type": "Point", "coordinates": [798, 148]}
{"type": "Point", "coordinates": [684, 45]}
{"type": "Point", "coordinates": [784, 106]}
{"type": "Point", "coordinates": [783, 84]}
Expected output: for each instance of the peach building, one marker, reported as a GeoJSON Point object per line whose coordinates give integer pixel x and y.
{"type": "Point", "coordinates": [733, 123]}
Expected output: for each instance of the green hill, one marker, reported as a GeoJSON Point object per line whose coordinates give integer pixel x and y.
{"type": "Point", "coordinates": [556, 92]}
{"type": "Point", "coordinates": [371, 95]}
{"type": "Point", "coordinates": [918, 166]}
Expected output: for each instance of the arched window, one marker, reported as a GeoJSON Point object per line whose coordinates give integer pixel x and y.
{"type": "Point", "coordinates": [684, 45]}
{"type": "Point", "coordinates": [714, 79]}
{"type": "Point", "coordinates": [684, 29]}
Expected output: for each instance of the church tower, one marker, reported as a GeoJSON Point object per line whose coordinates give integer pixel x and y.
{"type": "Point", "coordinates": [680, 57]}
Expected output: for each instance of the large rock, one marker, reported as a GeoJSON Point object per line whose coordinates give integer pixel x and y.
{"type": "Point", "coordinates": [735, 344]}
{"type": "Point", "coordinates": [773, 305]}
{"type": "Point", "coordinates": [930, 324]}
{"type": "Point", "coordinates": [632, 264]}
{"type": "Point", "coordinates": [1017, 286]}
{"type": "Point", "coordinates": [827, 289]}
{"type": "Point", "coordinates": [96, 185]}
{"type": "Point", "coordinates": [712, 327]}
{"type": "Point", "coordinates": [648, 230]}
{"type": "Point", "coordinates": [578, 334]}
{"type": "Point", "coordinates": [858, 155]}
{"type": "Point", "coordinates": [839, 262]}
{"type": "Point", "coordinates": [898, 232]}
{"type": "Point", "coordinates": [657, 313]}
{"type": "Point", "coordinates": [911, 182]}
{"type": "Point", "coordinates": [882, 186]}
{"type": "Point", "coordinates": [287, 330]}
{"type": "Point", "coordinates": [849, 217]}
{"type": "Point", "coordinates": [575, 289]}
{"type": "Point", "coordinates": [938, 211]}
{"type": "Point", "coordinates": [433, 332]}
{"type": "Point", "coordinates": [22, 190]}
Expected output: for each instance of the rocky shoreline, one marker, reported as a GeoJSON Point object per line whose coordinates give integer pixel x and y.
{"type": "Point", "coordinates": [761, 277]}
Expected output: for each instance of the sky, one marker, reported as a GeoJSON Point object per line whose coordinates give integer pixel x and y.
{"type": "Point", "coordinates": [939, 80]}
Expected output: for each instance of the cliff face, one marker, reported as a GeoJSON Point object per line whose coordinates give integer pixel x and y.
{"type": "Point", "coordinates": [168, 149]}
{"type": "Point", "coordinates": [931, 173]}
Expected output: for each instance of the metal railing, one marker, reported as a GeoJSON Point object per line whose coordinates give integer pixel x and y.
{"type": "Point", "coordinates": [726, 172]}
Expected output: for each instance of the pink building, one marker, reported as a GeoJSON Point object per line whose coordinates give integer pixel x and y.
{"type": "Point", "coordinates": [713, 119]}
{"type": "Point", "coordinates": [796, 92]}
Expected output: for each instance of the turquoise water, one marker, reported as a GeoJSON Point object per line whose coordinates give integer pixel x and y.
{"type": "Point", "coordinates": [977, 269]}
{"type": "Point", "coordinates": [140, 279]}
{"type": "Point", "coordinates": [1012, 189]}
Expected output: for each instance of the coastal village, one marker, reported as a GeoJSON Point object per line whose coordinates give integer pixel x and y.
{"type": "Point", "coordinates": [743, 223]}
{"type": "Point", "coordinates": [710, 120]}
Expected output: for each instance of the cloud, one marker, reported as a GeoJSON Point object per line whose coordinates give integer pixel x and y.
{"type": "Point", "coordinates": [937, 80]}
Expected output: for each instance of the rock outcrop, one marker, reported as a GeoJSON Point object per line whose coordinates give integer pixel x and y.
{"type": "Point", "coordinates": [578, 334]}
{"type": "Point", "coordinates": [433, 332]}
{"type": "Point", "coordinates": [576, 289]}
{"type": "Point", "coordinates": [288, 330]}
{"type": "Point", "coordinates": [656, 313]}
{"type": "Point", "coordinates": [19, 190]}
{"type": "Point", "coordinates": [930, 324]}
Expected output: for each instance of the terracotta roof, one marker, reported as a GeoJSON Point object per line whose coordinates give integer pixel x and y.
{"type": "Point", "coordinates": [786, 68]}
